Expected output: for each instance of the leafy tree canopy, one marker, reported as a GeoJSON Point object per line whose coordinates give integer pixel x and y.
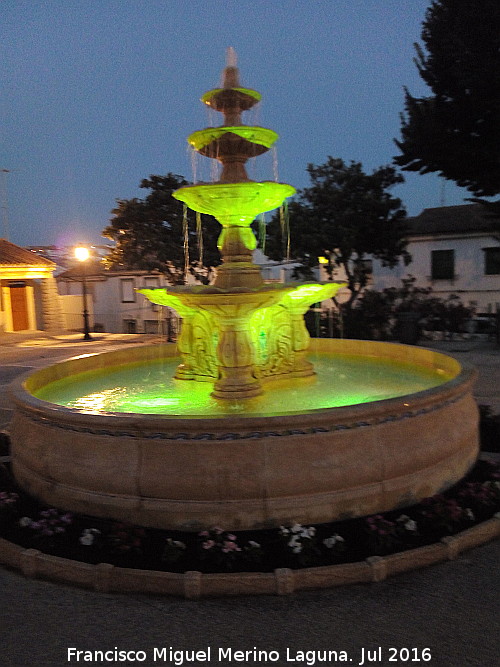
{"type": "Point", "coordinates": [149, 233]}
{"type": "Point", "coordinates": [345, 216]}
{"type": "Point", "coordinates": [456, 130]}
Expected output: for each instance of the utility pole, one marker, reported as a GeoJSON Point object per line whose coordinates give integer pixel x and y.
{"type": "Point", "coordinates": [5, 208]}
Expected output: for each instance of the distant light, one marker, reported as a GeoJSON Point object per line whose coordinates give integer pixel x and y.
{"type": "Point", "coordinates": [322, 260]}
{"type": "Point", "coordinates": [82, 253]}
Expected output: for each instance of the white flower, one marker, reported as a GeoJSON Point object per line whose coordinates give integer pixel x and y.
{"type": "Point", "coordinates": [86, 539]}
{"type": "Point", "coordinates": [469, 514]}
{"type": "Point", "coordinates": [296, 528]}
{"type": "Point", "coordinates": [25, 521]}
{"type": "Point", "coordinates": [408, 524]}
{"type": "Point", "coordinates": [330, 542]}
{"type": "Point", "coordinates": [411, 525]}
{"type": "Point", "coordinates": [176, 543]}
{"type": "Point", "coordinates": [295, 544]}
{"type": "Point", "coordinates": [253, 545]}
{"type": "Point", "coordinates": [88, 536]}
{"type": "Point", "coordinates": [284, 531]}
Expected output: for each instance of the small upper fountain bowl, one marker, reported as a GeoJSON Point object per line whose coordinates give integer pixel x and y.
{"type": "Point", "coordinates": [285, 456]}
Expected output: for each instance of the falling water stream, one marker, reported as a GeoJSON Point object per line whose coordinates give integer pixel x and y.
{"type": "Point", "coordinates": [199, 236]}
{"type": "Point", "coordinates": [185, 229]}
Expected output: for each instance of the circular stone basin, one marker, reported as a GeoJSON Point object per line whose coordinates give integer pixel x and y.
{"type": "Point", "coordinates": [380, 426]}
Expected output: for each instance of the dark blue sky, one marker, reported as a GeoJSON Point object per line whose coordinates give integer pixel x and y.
{"type": "Point", "coordinates": [98, 94]}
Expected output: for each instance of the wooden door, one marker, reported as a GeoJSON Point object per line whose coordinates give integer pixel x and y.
{"type": "Point", "coordinates": [19, 306]}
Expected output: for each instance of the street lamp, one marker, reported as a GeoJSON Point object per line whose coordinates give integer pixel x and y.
{"type": "Point", "coordinates": [82, 254]}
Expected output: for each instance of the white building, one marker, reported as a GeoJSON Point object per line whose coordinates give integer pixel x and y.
{"type": "Point", "coordinates": [455, 250]}
{"type": "Point", "coordinates": [113, 303]}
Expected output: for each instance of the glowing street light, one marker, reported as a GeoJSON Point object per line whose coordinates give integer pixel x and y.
{"type": "Point", "coordinates": [82, 254]}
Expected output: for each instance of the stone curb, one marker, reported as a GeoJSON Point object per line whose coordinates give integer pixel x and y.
{"type": "Point", "coordinates": [193, 585]}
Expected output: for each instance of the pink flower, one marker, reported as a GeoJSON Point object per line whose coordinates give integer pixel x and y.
{"type": "Point", "coordinates": [208, 544]}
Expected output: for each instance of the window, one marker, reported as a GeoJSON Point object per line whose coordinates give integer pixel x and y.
{"type": "Point", "coordinates": [129, 326]}
{"type": "Point", "coordinates": [442, 264]}
{"type": "Point", "coordinates": [152, 327]}
{"type": "Point", "coordinates": [492, 261]}
{"type": "Point", "coordinates": [152, 283]}
{"type": "Point", "coordinates": [127, 290]}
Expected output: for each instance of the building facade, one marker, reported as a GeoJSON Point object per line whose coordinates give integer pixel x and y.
{"type": "Point", "coordinates": [455, 250]}
{"type": "Point", "coordinates": [114, 305]}
{"type": "Point", "coordinates": [29, 300]}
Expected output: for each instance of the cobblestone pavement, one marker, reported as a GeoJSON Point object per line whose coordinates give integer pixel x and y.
{"type": "Point", "coordinates": [485, 356]}
{"type": "Point", "coordinates": [452, 608]}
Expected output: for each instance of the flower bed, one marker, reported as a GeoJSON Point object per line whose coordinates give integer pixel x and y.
{"type": "Point", "coordinates": [91, 541]}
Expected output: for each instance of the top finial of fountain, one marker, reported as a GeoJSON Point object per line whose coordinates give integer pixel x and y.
{"type": "Point", "coordinates": [231, 57]}
{"type": "Point", "coordinates": [231, 75]}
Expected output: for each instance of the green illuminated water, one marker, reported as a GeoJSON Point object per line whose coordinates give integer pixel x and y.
{"type": "Point", "coordinates": [151, 389]}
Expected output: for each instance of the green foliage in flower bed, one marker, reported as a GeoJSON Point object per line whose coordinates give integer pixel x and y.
{"type": "Point", "coordinates": [489, 429]}
{"type": "Point", "coordinates": [30, 524]}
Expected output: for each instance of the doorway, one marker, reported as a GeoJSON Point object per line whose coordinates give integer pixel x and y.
{"type": "Point", "coordinates": [19, 306]}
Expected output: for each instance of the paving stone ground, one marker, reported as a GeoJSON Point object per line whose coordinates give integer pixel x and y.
{"type": "Point", "coordinates": [452, 608]}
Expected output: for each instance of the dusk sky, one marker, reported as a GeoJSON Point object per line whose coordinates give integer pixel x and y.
{"type": "Point", "coordinates": [98, 94]}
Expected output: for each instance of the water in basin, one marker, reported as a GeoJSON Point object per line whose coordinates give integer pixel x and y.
{"type": "Point", "coordinates": [149, 388]}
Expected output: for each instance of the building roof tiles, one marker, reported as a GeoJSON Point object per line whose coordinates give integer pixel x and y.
{"type": "Point", "coordinates": [466, 218]}
{"type": "Point", "coordinates": [14, 255]}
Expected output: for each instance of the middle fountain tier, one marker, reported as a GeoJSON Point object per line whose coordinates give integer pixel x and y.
{"type": "Point", "coordinates": [239, 331]}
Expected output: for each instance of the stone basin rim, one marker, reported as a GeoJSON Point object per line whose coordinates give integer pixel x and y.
{"type": "Point", "coordinates": [411, 402]}
{"type": "Point", "coordinates": [327, 465]}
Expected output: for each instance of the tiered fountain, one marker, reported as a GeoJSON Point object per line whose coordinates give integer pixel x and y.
{"type": "Point", "coordinates": [273, 440]}
{"type": "Point", "coordinates": [239, 330]}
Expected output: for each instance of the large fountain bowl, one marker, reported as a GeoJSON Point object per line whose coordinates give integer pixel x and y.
{"type": "Point", "coordinates": [235, 203]}
{"type": "Point", "coordinates": [246, 472]}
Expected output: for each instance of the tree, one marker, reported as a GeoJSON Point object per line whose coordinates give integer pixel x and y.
{"type": "Point", "coordinates": [149, 233]}
{"type": "Point", "coordinates": [347, 217]}
{"type": "Point", "coordinates": [456, 130]}
{"type": "Point", "coordinates": [377, 315]}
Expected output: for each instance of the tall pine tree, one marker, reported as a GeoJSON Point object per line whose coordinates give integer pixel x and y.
{"type": "Point", "coordinates": [456, 130]}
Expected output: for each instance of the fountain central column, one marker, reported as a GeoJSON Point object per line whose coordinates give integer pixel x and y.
{"type": "Point", "coordinates": [236, 244]}
{"type": "Point", "coordinates": [236, 358]}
